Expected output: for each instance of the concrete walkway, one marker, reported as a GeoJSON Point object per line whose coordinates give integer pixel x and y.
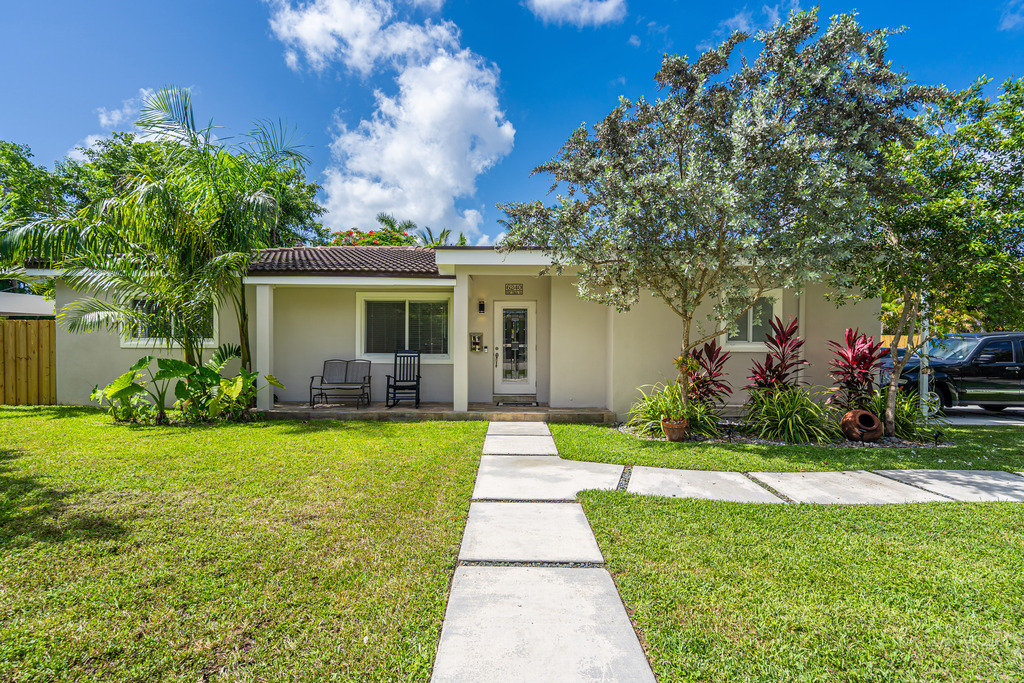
{"type": "Point", "coordinates": [531, 599]}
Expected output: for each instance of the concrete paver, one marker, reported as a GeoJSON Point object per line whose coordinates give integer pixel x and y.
{"type": "Point", "coordinates": [731, 486]}
{"type": "Point", "coordinates": [537, 624]}
{"type": "Point", "coordinates": [519, 445]}
{"type": "Point", "coordinates": [529, 532]}
{"type": "Point", "coordinates": [518, 429]}
{"type": "Point", "coordinates": [541, 477]}
{"type": "Point", "coordinates": [858, 487]}
{"type": "Point", "coordinates": [967, 485]}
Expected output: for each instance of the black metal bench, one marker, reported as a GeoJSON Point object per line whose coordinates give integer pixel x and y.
{"type": "Point", "coordinates": [341, 379]}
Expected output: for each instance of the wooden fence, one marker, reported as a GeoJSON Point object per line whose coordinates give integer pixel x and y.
{"type": "Point", "coordinates": [28, 362]}
{"type": "Point", "coordinates": [887, 340]}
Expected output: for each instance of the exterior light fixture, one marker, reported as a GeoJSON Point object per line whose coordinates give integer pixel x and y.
{"type": "Point", "coordinates": [481, 307]}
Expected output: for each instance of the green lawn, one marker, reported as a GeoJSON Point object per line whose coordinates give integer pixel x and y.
{"type": "Point", "coordinates": [740, 592]}
{"type": "Point", "coordinates": [274, 551]}
{"type": "Point", "coordinates": [980, 448]}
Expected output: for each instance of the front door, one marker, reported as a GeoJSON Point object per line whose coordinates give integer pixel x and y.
{"type": "Point", "coordinates": [515, 347]}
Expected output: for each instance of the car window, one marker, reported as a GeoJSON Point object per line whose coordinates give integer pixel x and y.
{"type": "Point", "coordinates": [951, 348]}
{"type": "Point", "coordinates": [997, 352]}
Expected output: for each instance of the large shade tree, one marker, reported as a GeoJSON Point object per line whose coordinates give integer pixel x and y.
{"type": "Point", "coordinates": [736, 182]}
{"type": "Point", "coordinates": [950, 238]}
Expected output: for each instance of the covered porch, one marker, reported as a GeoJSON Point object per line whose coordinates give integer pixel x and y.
{"type": "Point", "coordinates": [406, 411]}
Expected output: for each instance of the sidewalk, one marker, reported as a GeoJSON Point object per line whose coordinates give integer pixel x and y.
{"type": "Point", "coordinates": [531, 599]}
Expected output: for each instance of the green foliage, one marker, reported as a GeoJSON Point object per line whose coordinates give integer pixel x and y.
{"type": "Point", "coordinates": [952, 229]}
{"type": "Point", "coordinates": [910, 423]}
{"type": "Point", "coordinates": [664, 401]}
{"type": "Point", "coordinates": [736, 182]}
{"type": "Point", "coordinates": [202, 394]}
{"type": "Point", "coordinates": [124, 397]}
{"type": "Point", "coordinates": [791, 414]}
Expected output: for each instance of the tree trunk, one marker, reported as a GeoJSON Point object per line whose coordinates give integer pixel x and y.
{"type": "Point", "coordinates": [907, 317]}
{"type": "Point", "coordinates": [684, 374]}
{"type": "Point", "coordinates": [243, 326]}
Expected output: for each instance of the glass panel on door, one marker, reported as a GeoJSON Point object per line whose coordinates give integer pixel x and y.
{"type": "Point", "coordinates": [514, 345]}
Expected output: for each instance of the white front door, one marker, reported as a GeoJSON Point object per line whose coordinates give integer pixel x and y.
{"type": "Point", "coordinates": [515, 347]}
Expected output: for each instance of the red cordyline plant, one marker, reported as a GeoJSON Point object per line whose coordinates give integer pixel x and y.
{"type": "Point", "coordinates": [854, 369]}
{"type": "Point", "coordinates": [783, 358]}
{"type": "Point", "coordinates": [706, 371]}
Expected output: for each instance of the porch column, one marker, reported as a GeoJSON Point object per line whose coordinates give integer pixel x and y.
{"type": "Point", "coordinates": [265, 342]}
{"type": "Point", "coordinates": [460, 345]}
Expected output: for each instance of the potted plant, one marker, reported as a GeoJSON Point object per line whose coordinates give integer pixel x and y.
{"type": "Point", "coordinates": [674, 413]}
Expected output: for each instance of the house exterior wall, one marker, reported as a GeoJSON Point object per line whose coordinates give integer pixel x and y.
{"type": "Point", "coordinates": [314, 324]}
{"type": "Point", "coordinates": [588, 355]}
{"type": "Point", "coordinates": [579, 348]}
{"type": "Point", "coordinates": [85, 360]}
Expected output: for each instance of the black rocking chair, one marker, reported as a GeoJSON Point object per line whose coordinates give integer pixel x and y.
{"type": "Point", "coordinates": [405, 383]}
{"type": "Point", "coordinates": [341, 379]}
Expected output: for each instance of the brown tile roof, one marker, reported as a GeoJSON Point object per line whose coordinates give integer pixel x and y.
{"type": "Point", "coordinates": [346, 261]}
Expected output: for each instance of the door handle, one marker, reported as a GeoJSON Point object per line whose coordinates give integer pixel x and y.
{"type": "Point", "coordinates": [496, 359]}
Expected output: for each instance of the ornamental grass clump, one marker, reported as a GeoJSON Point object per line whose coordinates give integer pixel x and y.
{"type": "Point", "coordinates": [794, 415]}
{"type": "Point", "coordinates": [854, 368]}
{"type": "Point", "coordinates": [911, 423]}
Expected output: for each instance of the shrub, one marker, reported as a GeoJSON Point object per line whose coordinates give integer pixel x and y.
{"type": "Point", "coordinates": [201, 392]}
{"type": "Point", "coordinates": [854, 369]}
{"type": "Point", "coordinates": [706, 384]}
{"type": "Point", "coordinates": [794, 415]}
{"type": "Point", "coordinates": [782, 360]}
{"type": "Point", "coordinates": [665, 400]}
{"type": "Point", "coordinates": [911, 423]}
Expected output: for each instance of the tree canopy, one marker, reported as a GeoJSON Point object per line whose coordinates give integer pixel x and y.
{"type": "Point", "coordinates": [950, 237]}
{"type": "Point", "coordinates": [737, 182]}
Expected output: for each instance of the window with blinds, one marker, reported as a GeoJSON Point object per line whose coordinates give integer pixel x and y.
{"type": "Point", "coordinates": [162, 326]}
{"type": "Point", "coordinates": [391, 326]}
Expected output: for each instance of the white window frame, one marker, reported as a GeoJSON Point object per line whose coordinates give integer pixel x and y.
{"type": "Point", "coordinates": [158, 343]}
{"type": "Point", "coordinates": [775, 296]}
{"type": "Point", "coordinates": [426, 359]}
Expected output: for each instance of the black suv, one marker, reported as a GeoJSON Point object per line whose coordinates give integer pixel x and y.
{"type": "Point", "coordinates": [983, 368]}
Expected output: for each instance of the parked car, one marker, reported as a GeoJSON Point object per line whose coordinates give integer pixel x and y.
{"type": "Point", "coordinates": [981, 368]}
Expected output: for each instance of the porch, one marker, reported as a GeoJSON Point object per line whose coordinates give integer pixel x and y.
{"type": "Point", "coordinates": [287, 410]}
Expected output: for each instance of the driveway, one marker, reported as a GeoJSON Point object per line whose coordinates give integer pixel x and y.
{"type": "Point", "coordinates": [976, 416]}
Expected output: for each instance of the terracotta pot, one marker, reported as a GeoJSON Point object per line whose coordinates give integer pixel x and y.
{"type": "Point", "coordinates": [860, 425]}
{"type": "Point", "coordinates": [675, 430]}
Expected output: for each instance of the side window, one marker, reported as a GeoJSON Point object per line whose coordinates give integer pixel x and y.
{"type": "Point", "coordinates": [997, 352]}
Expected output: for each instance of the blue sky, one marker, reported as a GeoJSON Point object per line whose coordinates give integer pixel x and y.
{"type": "Point", "coordinates": [434, 110]}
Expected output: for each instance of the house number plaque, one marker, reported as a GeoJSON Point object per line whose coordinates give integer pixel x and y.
{"type": "Point", "coordinates": [513, 289]}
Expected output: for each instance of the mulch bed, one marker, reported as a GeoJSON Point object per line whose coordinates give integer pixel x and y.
{"type": "Point", "coordinates": [738, 437]}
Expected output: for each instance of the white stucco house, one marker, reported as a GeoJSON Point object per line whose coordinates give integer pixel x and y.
{"type": "Point", "coordinates": [487, 324]}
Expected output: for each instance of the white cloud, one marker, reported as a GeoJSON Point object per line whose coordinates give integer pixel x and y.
{"type": "Point", "coordinates": [748, 22]}
{"type": "Point", "coordinates": [634, 41]}
{"type": "Point", "coordinates": [578, 12]}
{"type": "Point", "coordinates": [358, 33]}
{"type": "Point", "coordinates": [424, 146]}
{"type": "Point", "coordinates": [1013, 16]}
{"type": "Point", "coordinates": [112, 118]}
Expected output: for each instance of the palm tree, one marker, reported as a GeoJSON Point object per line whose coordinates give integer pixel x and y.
{"type": "Point", "coordinates": [426, 238]}
{"type": "Point", "coordinates": [239, 189]}
{"type": "Point", "coordinates": [171, 245]}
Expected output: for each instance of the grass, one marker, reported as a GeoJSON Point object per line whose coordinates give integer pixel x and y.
{"type": "Point", "coordinates": [982, 448]}
{"type": "Point", "coordinates": [740, 592]}
{"type": "Point", "coordinates": [276, 551]}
